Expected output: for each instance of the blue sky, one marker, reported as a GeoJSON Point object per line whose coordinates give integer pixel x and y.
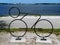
{"type": "Point", "coordinates": [29, 1]}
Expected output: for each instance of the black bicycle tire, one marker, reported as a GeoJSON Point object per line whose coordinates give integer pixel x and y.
{"type": "Point", "coordinates": [11, 32]}
{"type": "Point", "coordinates": [47, 21]}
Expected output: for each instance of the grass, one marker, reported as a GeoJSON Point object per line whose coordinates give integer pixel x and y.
{"type": "Point", "coordinates": [56, 31]}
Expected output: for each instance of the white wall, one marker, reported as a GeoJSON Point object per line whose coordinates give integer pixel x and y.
{"type": "Point", "coordinates": [30, 20]}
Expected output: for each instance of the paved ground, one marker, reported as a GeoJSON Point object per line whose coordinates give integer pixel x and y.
{"type": "Point", "coordinates": [30, 37]}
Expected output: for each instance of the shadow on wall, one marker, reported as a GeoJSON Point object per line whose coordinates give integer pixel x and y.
{"type": "Point", "coordinates": [3, 25]}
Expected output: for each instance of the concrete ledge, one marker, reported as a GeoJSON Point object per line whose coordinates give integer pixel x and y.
{"type": "Point", "coordinates": [13, 39]}
{"type": "Point", "coordinates": [48, 40]}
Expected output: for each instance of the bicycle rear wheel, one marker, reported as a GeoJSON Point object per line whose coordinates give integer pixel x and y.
{"type": "Point", "coordinates": [17, 30]}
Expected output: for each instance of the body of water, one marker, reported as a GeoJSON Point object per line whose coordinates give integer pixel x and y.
{"type": "Point", "coordinates": [42, 9]}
